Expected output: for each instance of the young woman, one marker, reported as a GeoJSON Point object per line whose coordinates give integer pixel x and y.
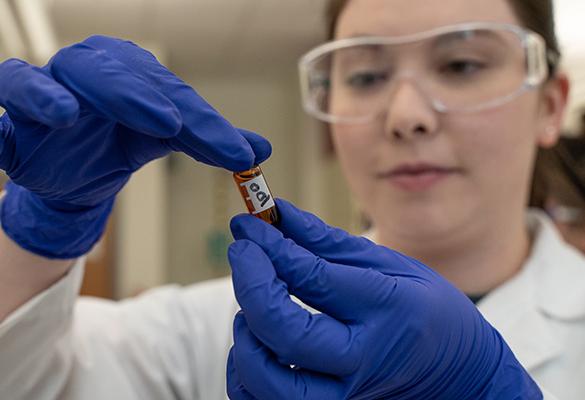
{"type": "Point", "coordinates": [436, 114]}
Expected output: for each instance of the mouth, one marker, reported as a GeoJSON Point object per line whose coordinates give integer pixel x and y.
{"type": "Point", "coordinates": [417, 177]}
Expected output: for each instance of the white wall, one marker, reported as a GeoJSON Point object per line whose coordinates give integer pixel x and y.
{"type": "Point", "coordinates": [203, 199]}
{"type": "Point", "coordinates": [575, 67]}
{"type": "Point", "coordinates": [570, 14]}
{"type": "Point", "coordinates": [141, 231]}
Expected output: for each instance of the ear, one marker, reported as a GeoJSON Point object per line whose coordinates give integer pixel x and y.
{"type": "Point", "coordinates": [554, 99]}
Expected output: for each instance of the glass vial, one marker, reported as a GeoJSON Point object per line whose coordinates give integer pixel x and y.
{"type": "Point", "coordinates": [256, 194]}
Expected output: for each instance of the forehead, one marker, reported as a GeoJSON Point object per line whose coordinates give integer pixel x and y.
{"type": "Point", "coordinates": [404, 17]}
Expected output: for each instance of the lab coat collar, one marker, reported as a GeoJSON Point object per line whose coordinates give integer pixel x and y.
{"type": "Point", "coordinates": [560, 271]}
{"type": "Point", "coordinates": [550, 286]}
{"type": "Point", "coordinates": [511, 310]}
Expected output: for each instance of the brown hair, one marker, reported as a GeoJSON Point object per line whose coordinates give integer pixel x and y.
{"type": "Point", "coordinates": [560, 172]}
{"type": "Point", "coordinates": [536, 15]}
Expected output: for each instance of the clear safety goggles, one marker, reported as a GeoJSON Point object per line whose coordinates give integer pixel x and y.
{"type": "Point", "coordinates": [461, 68]}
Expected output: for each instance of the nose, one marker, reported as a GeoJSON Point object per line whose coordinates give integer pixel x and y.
{"type": "Point", "coordinates": [409, 113]}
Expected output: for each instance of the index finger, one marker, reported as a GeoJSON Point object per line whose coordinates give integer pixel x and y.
{"type": "Point", "coordinates": [111, 89]}
{"type": "Point", "coordinates": [205, 131]}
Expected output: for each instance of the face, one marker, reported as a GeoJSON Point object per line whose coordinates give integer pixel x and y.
{"type": "Point", "coordinates": [419, 174]}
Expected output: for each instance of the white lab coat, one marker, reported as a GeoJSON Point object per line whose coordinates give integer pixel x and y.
{"type": "Point", "coordinates": [172, 342]}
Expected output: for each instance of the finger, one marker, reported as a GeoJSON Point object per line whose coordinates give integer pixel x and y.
{"type": "Point", "coordinates": [261, 147]}
{"type": "Point", "coordinates": [205, 130]}
{"type": "Point", "coordinates": [235, 388]}
{"type": "Point", "coordinates": [314, 341]}
{"type": "Point", "coordinates": [27, 93]}
{"type": "Point", "coordinates": [338, 246]}
{"type": "Point", "coordinates": [338, 290]}
{"type": "Point", "coordinates": [266, 379]}
{"type": "Point", "coordinates": [111, 88]}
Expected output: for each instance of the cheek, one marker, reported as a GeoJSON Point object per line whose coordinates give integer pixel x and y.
{"type": "Point", "coordinates": [498, 146]}
{"type": "Point", "coordinates": [353, 145]}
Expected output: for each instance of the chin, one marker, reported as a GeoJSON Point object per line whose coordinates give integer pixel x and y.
{"type": "Point", "coordinates": [418, 222]}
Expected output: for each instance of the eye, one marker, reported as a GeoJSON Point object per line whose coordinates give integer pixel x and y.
{"type": "Point", "coordinates": [462, 67]}
{"type": "Point", "coordinates": [366, 79]}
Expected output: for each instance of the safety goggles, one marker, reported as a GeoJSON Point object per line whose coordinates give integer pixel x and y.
{"type": "Point", "coordinates": [461, 68]}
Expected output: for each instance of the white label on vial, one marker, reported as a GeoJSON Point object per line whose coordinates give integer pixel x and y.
{"type": "Point", "coordinates": [259, 194]}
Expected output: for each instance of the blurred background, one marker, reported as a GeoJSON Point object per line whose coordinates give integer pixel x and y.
{"type": "Point", "coordinates": [171, 222]}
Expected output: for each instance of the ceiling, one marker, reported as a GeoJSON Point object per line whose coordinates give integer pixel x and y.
{"type": "Point", "coordinates": [206, 35]}
{"type": "Point", "coordinates": [226, 37]}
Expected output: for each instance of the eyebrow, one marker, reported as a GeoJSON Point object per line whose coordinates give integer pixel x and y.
{"type": "Point", "coordinates": [443, 38]}
{"type": "Point", "coordinates": [449, 38]}
{"type": "Point", "coordinates": [360, 35]}
{"type": "Point", "coordinates": [361, 52]}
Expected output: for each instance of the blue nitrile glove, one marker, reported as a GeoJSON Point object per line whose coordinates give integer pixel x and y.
{"type": "Point", "coordinates": [76, 129]}
{"type": "Point", "coordinates": [390, 328]}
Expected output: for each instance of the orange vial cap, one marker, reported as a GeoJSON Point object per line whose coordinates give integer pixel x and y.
{"type": "Point", "coordinates": [256, 194]}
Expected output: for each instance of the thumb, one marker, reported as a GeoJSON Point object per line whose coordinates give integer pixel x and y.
{"type": "Point", "coordinates": [323, 240]}
{"type": "Point", "coordinates": [261, 147]}
{"type": "Point", "coordinates": [338, 246]}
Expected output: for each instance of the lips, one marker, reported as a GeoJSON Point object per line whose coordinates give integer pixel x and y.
{"type": "Point", "coordinates": [416, 177]}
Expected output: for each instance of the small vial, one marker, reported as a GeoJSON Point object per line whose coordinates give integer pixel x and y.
{"type": "Point", "coordinates": [256, 194]}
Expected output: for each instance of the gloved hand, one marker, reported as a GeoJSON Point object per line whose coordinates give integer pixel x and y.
{"type": "Point", "coordinates": [76, 129]}
{"type": "Point", "coordinates": [390, 328]}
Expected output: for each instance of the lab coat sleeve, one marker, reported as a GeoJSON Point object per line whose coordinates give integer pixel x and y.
{"type": "Point", "coordinates": [33, 358]}
{"type": "Point", "coordinates": [547, 395]}
{"type": "Point", "coordinates": [169, 343]}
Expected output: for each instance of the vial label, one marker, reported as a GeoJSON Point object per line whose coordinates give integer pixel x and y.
{"type": "Point", "coordinates": [259, 194]}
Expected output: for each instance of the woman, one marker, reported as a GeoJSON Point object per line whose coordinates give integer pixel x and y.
{"type": "Point", "coordinates": [451, 180]}
{"type": "Point", "coordinates": [433, 183]}
{"type": "Point", "coordinates": [436, 114]}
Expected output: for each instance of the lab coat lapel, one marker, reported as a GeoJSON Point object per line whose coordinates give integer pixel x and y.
{"type": "Point", "coordinates": [526, 330]}
{"type": "Point", "coordinates": [548, 288]}
{"type": "Point", "coordinates": [516, 309]}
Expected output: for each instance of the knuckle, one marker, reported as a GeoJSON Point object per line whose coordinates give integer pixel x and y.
{"type": "Point", "coordinates": [263, 315]}
{"type": "Point", "coordinates": [64, 58]}
{"type": "Point", "coordinates": [13, 63]}
{"type": "Point", "coordinates": [98, 39]}
{"type": "Point", "coordinates": [14, 70]}
{"type": "Point", "coordinates": [288, 350]}
{"type": "Point", "coordinates": [232, 390]}
{"type": "Point", "coordinates": [102, 42]}
{"type": "Point", "coordinates": [354, 353]}
{"type": "Point", "coordinates": [314, 275]}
